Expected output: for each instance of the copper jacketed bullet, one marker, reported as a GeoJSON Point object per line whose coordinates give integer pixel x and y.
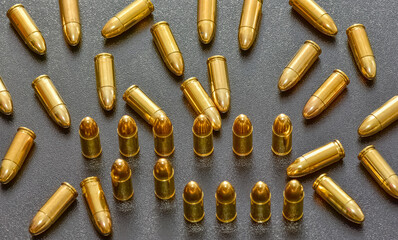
{"type": "Point", "coordinates": [293, 203]}
{"type": "Point", "coordinates": [121, 180]}
{"type": "Point", "coordinates": [163, 136]}
{"type": "Point", "coordinates": [202, 136]}
{"type": "Point", "coordinates": [249, 23]}
{"type": "Point", "coordinates": [97, 205]}
{"type": "Point", "coordinates": [219, 82]}
{"type": "Point", "coordinates": [53, 209]}
{"type": "Point", "coordinates": [70, 17]}
{"type": "Point", "coordinates": [326, 93]}
{"type": "Point", "coordinates": [299, 65]}
{"type": "Point", "coordinates": [16, 154]}
{"type": "Point", "coordinates": [27, 29]}
{"type": "Point", "coordinates": [260, 202]}
{"type": "Point", "coordinates": [128, 17]}
{"type": "Point", "coordinates": [163, 174]}
{"type": "Point", "coordinates": [315, 15]}
{"type": "Point", "coordinates": [362, 51]}
{"type": "Point", "coordinates": [338, 199]}
{"type": "Point", "coordinates": [225, 202]}
{"type": "Point", "coordinates": [379, 169]}
{"type": "Point", "coordinates": [316, 159]}
{"type": "Point", "coordinates": [127, 131]}
{"type": "Point", "coordinates": [200, 101]}
{"type": "Point", "coordinates": [105, 78]}
{"type": "Point", "coordinates": [167, 47]}
{"type": "Point", "coordinates": [193, 202]}
{"type": "Point", "coordinates": [51, 100]}
{"type": "Point", "coordinates": [242, 136]}
{"type": "Point", "coordinates": [5, 99]}
{"type": "Point", "coordinates": [90, 138]}
{"type": "Point", "coordinates": [207, 10]}
{"type": "Point", "coordinates": [282, 135]}
{"type": "Point", "coordinates": [380, 118]}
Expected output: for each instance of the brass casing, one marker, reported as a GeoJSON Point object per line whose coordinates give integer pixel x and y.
{"type": "Point", "coordinates": [194, 210]}
{"type": "Point", "coordinates": [122, 188]}
{"type": "Point", "coordinates": [242, 145]}
{"type": "Point", "coordinates": [293, 210]}
{"type": "Point", "coordinates": [226, 211]}
{"type": "Point", "coordinates": [129, 145]}
{"type": "Point", "coordinates": [203, 144]}
{"type": "Point", "coordinates": [164, 188]}
{"type": "Point", "coordinates": [219, 82]}
{"type": "Point", "coordinates": [105, 78]}
{"type": "Point", "coordinates": [206, 21]}
{"type": "Point", "coordinates": [91, 146]}
{"type": "Point", "coordinates": [163, 145]}
{"type": "Point", "coordinates": [70, 17]}
{"type": "Point", "coordinates": [249, 22]}
{"type": "Point", "coordinates": [6, 106]}
{"type": "Point", "coordinates": [260, 212]}
{"type": "Point", "coordinates": [282, 141]}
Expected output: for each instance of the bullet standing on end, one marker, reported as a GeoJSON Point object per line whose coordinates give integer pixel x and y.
{"type": "Point", "coordinates": [6, 106]}
{"type": "Point", "coordinates": [282, 135]}
{"type": "Point", "coordinates": [260, 203]}
{"type": "Point", "coordinates": [193, 202]}
{"type": "Point", "coordinates": [202, 136]}
{"type": "Point", "coordinates": [127, 131]}
{"type": "Point", "coordinates": [90, 138]}
{"type": "Point", "coordinates": [70, 17]}
{"type": "Point", "coordinates": [249, 23]}
{"type": "Point", "coordinates": [206, 20]}
{"type": "Point", "coordinates": [293, 203]}
{"type": "Point", "coordinates": [226, 202]}
{"type": "Point", "coordinates": [163, 174]}
{"type": "Point", "coordinates": [121, 180]}
{"type": "Point", "coordinates": [105, 78]}
{"type": "Point", "coordinates": [219, 82]}
{"type": "Point", "coordinates": [242, 136]}
{"type": "Point", "coordinates": [163, 136]}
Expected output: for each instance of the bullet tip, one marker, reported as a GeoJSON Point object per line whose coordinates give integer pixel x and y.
{"type": "Point", "coordinates": [192, 192]}
{"type": "Point", "coordinates": [246, 37]}
{"type": "Point", "coordinates": [120, 170]}
{"type": "Point", "coordinates": [288, 79]}
{"type": "Point", "coordinates": [282, 125]}
{"type": "Point", "coordinates": [202, 126]}
{"type": "Point", "coordinates": [369, 126]}
{"type": "Point", "coordinates": [127, 126]}
{"type": "Point", "coordinates": [107, 98]}
{"type": "Point", "coordinates": [222, 99]}
{"type": "Point", "coordinates": [294, 191]}
{"type": "Point", "coordinates": [313, 108]}
{"type": "Point", "coordinates": [328, 26]}
{"type": "Point", "coordinates": [103, 222]}
{"type": "Point", "coordinates": [88, 128]}
{"type": "Point", "coordinates": [8, 170]}
{"type": "Point", "coordinates": [61, 115]}
{"type": "Point", "coordinates": [37, 43]}
{"type": "Point", "coordinates": [353, 212]}
{"type": "Point", "coordinates": [163, 169]}
{"type": "Point", "coordinates": [162, 126]}
{"type": "Point", "coordinates": [6, 106]}
{"type": "Point", "coordinates": [206, 31]}
{"type": "Point", "coordinates": [242, 125]}
{"type": "Point", "coordinates": [214, 117]}
{"type": "Point", "coordinates": [392, 185]}
{"type": "Point", "coordinates": [176, 63]}
{"type": "Point", "coordinates": [40, 223]}
{"type": "Point", "coordinates": [368, 67]}
{"type": "Point", "coordinates": [72, 33]}
{"type": "Point", "coordinates": [112, 28]}
{"type": "Point", "coordinates": [296, 169]}
{"type": "Point", "coordinates": [225, 192]}
{"type": "Point", "coordinates": [260, 192]}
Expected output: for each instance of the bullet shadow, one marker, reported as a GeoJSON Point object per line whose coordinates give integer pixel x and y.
{"type": "Point", "coordinates": [166, 206]}
{"type": "Point", "coordinates": [203, 163]}
{"type": "Point", "coordinates": [371, 139]}
{"type": "Point", "coordinates": [206, 47]}
{"type": "Point", "coordinates": [7, 118]}
{"type": "Point", "coordinates": [195, 230]}
{"type": "Point", "coordinates": [365, 81]}
{"type": "Point", "coordinates": [260, 229]}
{"type": "Point", "coordinates": [226, 230]}
{"type": "Point", "coordinates": [73, 49]}
{"type": "Point", "coordinates": [293, 229]}
{"type": "Point", "coordinates": [110, 113]}
{"type": "Point", "coordinates": [225, 115]}
{"type": "Point", "coordinates": [93, 166]}
{"type": "Point", "coordinates": [124, 206]}
{"type": "Point", "coordinates": [243, 161]}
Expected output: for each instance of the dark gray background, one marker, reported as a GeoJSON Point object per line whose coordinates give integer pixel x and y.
{"type": "Point", "coordinates": [253, 75]}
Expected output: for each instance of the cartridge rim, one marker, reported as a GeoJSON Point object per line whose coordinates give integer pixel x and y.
{"type": "Point", "coordinates": [350, 28]}
{"type": "Point", "coordinates": [340, 147]}
{"type": "Point", "coordinates": [346, 79]}
{"type": "Point", "coordinates": [128, 90]}
{"type": "Point", "coordinates": [88, 180]}
{"type": "Point", "coordinates": [319, 180]}
{"type": "Point", "coordinates": [13, 8]}
{"type": "Point", "coordinates": [103, 55]}
{"type": "Point", "coordinates": [27, 131]}
{"type": "Point", "coordinates": [70, 187]}
{"type": "Point", "coordinates": [188, 81]}
{"type": "Point", "coordinates": [315, 45]}
{"type": "Point", "coordinates": [212, 58]}
{"type": "Point", "coordinates": [263, 203]}
{"type": "Point", "coordinates": [158, 24]}
{"type": "Point", "coordinates": [34, 83]}
{"type": "Point", "coordinates": [365, 151]}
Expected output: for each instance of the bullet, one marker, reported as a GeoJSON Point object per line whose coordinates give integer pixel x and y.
{"type": "Point", "coordinates": [293, 202]}
{"type": "Point", "coordinates": [380, 118]}
{"type": "Point", "coordinates": [167, 47]}
{"type": "Point", "coordinates": [202, 136]}
{"type": "Point", "coordinates": [226, 202]}
{"type": "Point", "coordinates": [90, 138]}
{"type": "Point", "coordinates": [163, 136]}
{"type": "Point", "coordinates": [260, 202]}
{"type": "Point", "coordinates": [70, 17]}
{"type": "Point", "coordinates": [5, 99]}
{"type": "Point", "coordinates": [53, 209]}
{"type": "Point", "coordinates": [219, 82]}
{"type": "Point", "coordinates": [97, 205]}
{"type": "Point", "coordinates": [249, 23]}
{"type": "Point", "coordinates": [142, 104]}
{"type": "Point", "coordinates": [121, 180]}
{"type": "Point", "coordinates": [201, 102]}
{"type": "Point", "coordinates": [51, 100]}
{"type": "Point", "coordinates": [207, 10]}
{"type": "Point", "coordinates": [338, 199]}
{"type": "Point", "coordinates": [128, 17]}
{"type": "Point", "coordinates": [127, 131]}
{"type": "Point", "coordinates": [16, 154]}
{"type": "Point", "coordinates": [378, 167]}
{"type": "Point", "coordinates": [163, 174]}
{"type": "Point", "coordinates": [315, 15]}
{"type": "Point", "coordinates": [105, 76]}
{"type": "Point", "coordinates": [282, 135]}
{"type": "Point", "coordinates": [362, 51]}
{"type": "Point", "coordinates": [299, 65]}
{"type": "Point", "coordinates": [326, 94]}
{"type": "Point", "coordinates": [316, 159]}
{"type": "Point", "coordinates": [242, 136]}
{"type": "Point", "coordinates": [193, 202]}
{"type": "Point", "coordinates": [27, 29]}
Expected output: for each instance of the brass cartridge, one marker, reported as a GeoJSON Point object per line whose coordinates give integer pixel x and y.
{"type": "Point", "coordinates": [90, 138]}
{"type": "Point", "coordinates": [6, 106]}
{"type": "Point", "coordinates": [105, 76]}
{"type": "Point", "coordinates": [249, 23]}
{"type": "Point", "coordinates": [202, 136]}
{"type": "Point", "coordinates": [282, 135]}
{"type": "Point", "coordinates": [70, 17]}
{"type": "Point", "coordinates": [121, 180]}
{"type": "Point", "coordinates": [206, 20]}
{"type": "Point", "coordinates": [219, 82]}
{"type": "Point", "coordinates": [127, 131]}
{"type": "Point", "coordinates": [242, 136]}
{"type": "Point", "coordinates": [293, 204]}
{"type": "Point", "coordinates": [260, 202]}
{"type": "Point", "coordinates": [226, 202]}
{"type": "Point", "coordinates": [163, 174]}
{"type": "Point", "coordinates": [193, 202]}
{"type": "Point", "coordinates": [163, 136]}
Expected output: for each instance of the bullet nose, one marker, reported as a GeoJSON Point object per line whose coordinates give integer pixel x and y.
{"type": "Point", "coordinates": [246, 37]}
{"type": "Point", "coordinates": [328, 25]}
{"type": "Point", "coordinates": [176, 63]}
{"type": "Point", "coordinates": [288, 79]}
{"type": "Point", "coordinates": [37, 43]}
{"type": "Point", "coordinates": [61, 115]}
{"type": "Point", "coordinates": [214, 116]}
{"type": "Point", "coordinates": [112, 28]}
{"type": "Point", "coordinates": [313, 108]}
{"type": "Point", "coordinates": [206, 31]}
{"type": "Point", "coordinates": [223, 100]}
{"type": "Point", "coordinates": [107, 97]}
{"type": "Point", "coordinates": [7, 171]}
{"type": "Point", "coordinates": [392, 185]}
{"type": "Point", "coordinates": [6, 103]}
{"type": "Point", "coordinates": [369, 126]}
{"type": "Point", "coordinates": [354, 212]}
{"type": "Point", "coordinates": [72, 33]}
{"type": "Point", "coordinates": [103, 222]}
{"type": "Point", "coordinates": [39, 224]}
{"type": "Point", "coordinates": [368, 67]}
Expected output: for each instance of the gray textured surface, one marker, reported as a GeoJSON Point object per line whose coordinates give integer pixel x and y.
{"type": "Point", "coordinates": [56, 156]}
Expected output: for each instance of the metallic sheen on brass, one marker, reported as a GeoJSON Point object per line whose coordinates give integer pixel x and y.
{"type": "Point", "coordinates": [260, 201]}
{"type": "Point", "coordinates": [27, 29]}
{"type": "Point", "coordinates": [202, 136]}
{"type": "Point", "coordinates": [163, 136]}
{"type": "Point", "coordinates": [226, 202]}
{"type": "Point", "coordinates": [200, 101]}
{"type": "Point", "coordinates": [293, 203]}
{"type": "Point", "coordinates": [379, 169]}
{"type": "Point", "coordinates": [128, 17]}
{"type": "Point", "coordinates": [70, 17]}
{"type": "Point", "coordinates": [206, 20]}
{"type": "Point", "coordinates": [90, 138]}
{"type": "Point", "coordinates": [6, 106]}
{"type": "Point", "coordinates": [299, 65]}
{"type": "Point", "coordinates": [315, 15]}
{"type": "Point", "coordinates": [193, 202]}
{"type": "Point", "coordinates": [316, 159]}
{"type": "Point", "coordinates": [16, 154]}
{"type": "Point", "coordinates": [53, 209]}
{"type": "Point", "coordinates": [242, 136]}
{"type": "Point", "coordinates": [282, 135]}
{"type": "Point", "coordinates": [326, 93]}
{"type": "Point", "coordinates": [167, 47]}
{"type": "Point", "coordinates": [338, 199]}
{"type": "Point", "coordinates": [127, 131]}
{"type": "Point", "coordinates": [121, 180]}
{"type": "Point", "coordinates": [163, 174]}
{"type": "Point", "coordinates": [249, 23]}
{"type": "Point", "coordinates": [219, 82]}
{"type": "Point", "coordinates": [105, 76]}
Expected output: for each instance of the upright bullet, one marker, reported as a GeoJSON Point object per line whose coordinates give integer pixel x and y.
{"type": "Point", "coordinates": [219, 82]}
{"type": "Point", "coordinates": [127, 131]}
{"type": "Point", "coordinates": [70, 17]}
{"type": "Point", "coordinates": [163, 174]}
{"type": "Point", "coordinates": [51, 100]}
{"type": "Point", "coordinates": [128, 17]}
{"type": "Point", "coordinates": [338, 199]}
{"type": "Point", "coordinates": [242, 136]}
{"type": "Point", "coordinates": [326, 94]}
{"type": "Point", "coordinates": [315, 15]}
{"type": "Point", "coordinates": [206, 20]}
{"type": "Point", "coordinates": [27, 29]}
{"type": "Point", "coordinates": [163, 136]}
{"type": "Point", "coordinates": [5, 99]}
{"type": "Point", "coordinates": [225, 202]}
{"type": "Point", "coordinates": [53, 209]}
{"type": "Point", "coordinates": [380, 118]}
{"type": "Point", "coordinates": [249, 23]}
{"type": "Point", "coordinates": [16, 154]}
{"type": "Point", "coordinates": [378, 167]}
{"type": "Point", "coordinates": [299, 65]}
{"type": "Point", "coordinates": [362, 51]}
{"type": "Point", "coordinates": [168, 48]}
{"type": "Point", "coordinates": [90, 138]}
{"type": "Point", "coordinates": [260, 203]}
{"type": "Point", "coordinates": [200, 101]}
{"type": "Point", "coordinates": [293, 203]}
{"type": "Point", "coordinates": [193, 202]}
{"type": "Point", "coordinates": [202, 136]}
{"type": "Point", "coordinates": [121, 180]}
{"type": "Point", "coordinates": [97, 205]}
{"type": "Point", "coordinates": [316, 159]}
{"type": "Point", "coordinates": [282, 135]}
{"type": "Point", "coordinates": [105, 76]}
